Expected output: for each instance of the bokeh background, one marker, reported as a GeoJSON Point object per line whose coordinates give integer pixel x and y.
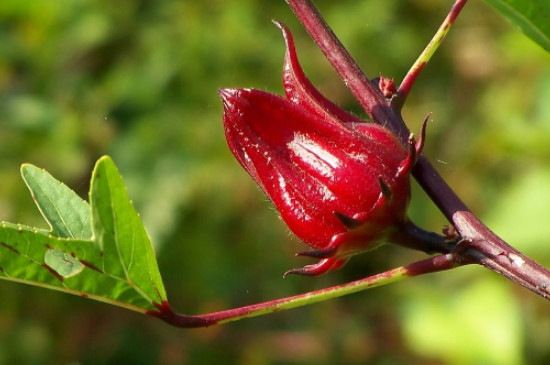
{"type": "Point", "coordinates": [138, 80]}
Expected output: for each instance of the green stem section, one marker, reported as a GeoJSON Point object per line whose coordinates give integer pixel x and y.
{"type": "Point", "coordinates": [426, 55]}
{"type": "Point", "coordinates": [432, 264]}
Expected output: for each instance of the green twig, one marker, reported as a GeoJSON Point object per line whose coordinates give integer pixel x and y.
{"type": "Point", "coordinates": [409, 79]}
{"type": "Point", "coordinates": [430, 265]}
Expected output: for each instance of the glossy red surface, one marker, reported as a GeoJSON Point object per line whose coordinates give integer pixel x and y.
{"type": "Point", "coordinates": [319, 165]}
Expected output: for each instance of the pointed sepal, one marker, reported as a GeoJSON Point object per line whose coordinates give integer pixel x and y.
{"type": "Point", "coordinates": [319, 268]}
{"type": "Point", "coordinates": [301, 91]}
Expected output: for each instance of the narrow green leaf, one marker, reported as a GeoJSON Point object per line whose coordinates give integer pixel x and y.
{"type": "Point", "coordinates": [116, 264]}
{"type": "Point", "coordinates": [66, 213]}
{"type": "Point", "coordinates": [531, 16]}
{"type": "Point", "coordinates": [120, 235]}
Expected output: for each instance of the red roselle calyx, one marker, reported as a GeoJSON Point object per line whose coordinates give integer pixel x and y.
{"type": "Point", "coordinates": [340, 184]}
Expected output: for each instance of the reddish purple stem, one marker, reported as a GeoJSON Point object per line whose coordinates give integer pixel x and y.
{"type": "Point", "coordinates": [370, 98]}
{"type": "Point", "coordinates": [478, 244]}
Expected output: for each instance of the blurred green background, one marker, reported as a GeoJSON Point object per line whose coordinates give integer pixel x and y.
{"type": "Point", "coordinates": [138, 80]}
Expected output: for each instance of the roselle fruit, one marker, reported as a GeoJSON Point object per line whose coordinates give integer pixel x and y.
{"type": "Point", "coordinates": [339, 183]}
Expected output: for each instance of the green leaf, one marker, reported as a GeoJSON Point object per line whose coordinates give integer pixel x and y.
{"type": "Point", "coordinates": [531, 16]}
{"type": "Point", "coordinates": [116, 264]}
{"type": "Point", "coordinates": [66, 213]}
{"type": "Point", "coordinates": [119, 233]}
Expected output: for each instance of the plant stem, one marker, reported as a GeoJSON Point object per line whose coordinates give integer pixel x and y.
{"type": "Point", "coordinates": [478, 244]}
{"type": "Point", "coordinates": [409, 79]}
{"type": "Point", "coordinates": [430, 265]}
{"type": "Point", "coordinates": [370, 98]}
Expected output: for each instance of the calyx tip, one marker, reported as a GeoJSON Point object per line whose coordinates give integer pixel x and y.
{"type": "Point", "coordinates": [386, 190]}
{"type": "Point", "coordinates": [347, 221]}
{"type": "Point", "coordinates": [227, 94]}
{"type": "Point", "coordinates": [319, 268]}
